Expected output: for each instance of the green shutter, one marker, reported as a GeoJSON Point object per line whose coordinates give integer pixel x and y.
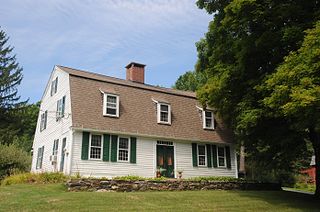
{"type": "Point", "coordinates": [106, 147]}
{"type": "Point", "coordinates": [114, 147]}
{"type": "Point", "coordinates": [133, 150]}
{"type": "Point", "coordinates": [228, 158]}
{"type": "Point", "coordinates": [85, 145]}
{"type": "Point", "coordinates": [194, 154]}
{"type": "Point", "coordinates": [209, 162]}
{"type": "Point", "coordinates": [214, 156]}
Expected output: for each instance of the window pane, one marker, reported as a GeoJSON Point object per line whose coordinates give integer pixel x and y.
{"type": "Point", "coordinates": [164, 116]}
{"type": "Point", "coordinates": [123, 143]}
{"type": "Point", "coordinates": [95, 153]}
{"type": "Point", "coordinates": [112, 111]}
{"type": "Point", "coordinates": [123, 155]}
{"type": "Point", "coordinates": [208, 122]}
{"type": "Point", "coordinates": [221, 151]}
{"type": "Point", "coordinates": [221, 162]}
{"type": "Point", "coordinates": [96, 140]}
{"type": "Point", "coordinates": [164, 108]}
{"type": "Point", "coordinates": [202, 160]}
{"type": "Point", "coordinates": [111, 99]}
{"type": "Point", "coordinates": [202, 150]}
{"type": "Point", "coordinates": [208, 114]}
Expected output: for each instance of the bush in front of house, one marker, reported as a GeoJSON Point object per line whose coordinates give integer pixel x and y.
{"type": "Point", "coordinates": [12, 160]}
{"type": "Point", "coordinates": [39, 178]}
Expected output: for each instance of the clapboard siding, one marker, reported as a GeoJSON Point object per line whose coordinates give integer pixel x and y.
{"type": "Point", "coordinates": [146, 162]}
{"type": "Point", "coordinates": [55, 129]}
{"type": "Point", "coordinates": [143, 167]}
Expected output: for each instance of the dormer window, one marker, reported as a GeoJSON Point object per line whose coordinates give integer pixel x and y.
{"type": "Point", "coordinates": [208, 119]}
{"type": "Point", "coordinates": [164, 113]}
{"type": "Point", "coordinates": [111, 105]}
{"type": "Point", "coordinates": [54, 86]}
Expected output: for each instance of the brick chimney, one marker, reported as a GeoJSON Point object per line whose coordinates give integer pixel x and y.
{"type": "Point", "coordinates": [135, 72]}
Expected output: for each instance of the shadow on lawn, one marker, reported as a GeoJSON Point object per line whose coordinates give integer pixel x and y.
{"type": "Point", "coordinates": [305, 202]}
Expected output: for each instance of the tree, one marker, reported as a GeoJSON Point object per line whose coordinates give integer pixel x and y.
{"type": "Point", "coordinates": [246, 42]}
{"type": "Point", "coordinates": [293, 92]}
{"type": "Point", "coordinates": [190, 81]}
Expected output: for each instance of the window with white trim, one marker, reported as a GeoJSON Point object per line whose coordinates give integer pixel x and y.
{"type": "Point", "coordinates": [55, 147]}
{"type": "Point", "coordinates": [111, 105]}
{"type": "Point", "coordinates": [95, 148]}
{"type": "Point", "coordinates": [43, 122]}
{"type": "Point", "coordinates": [54, 86]}
{"type": "Point", "coordinates": [40, 157]}
{"type": "Point", "coordinates": [164, 113]}
{"type": "Point", "coordinates": [60, 108]}
{"type": "Point", "coordinates": [202, 155]}
{"type": "Point", "coordinates": [221, 154]}
{"type": "Point", "coordinates": [123, 149]}
{"type": "Point", "coordinates": [208, 119]}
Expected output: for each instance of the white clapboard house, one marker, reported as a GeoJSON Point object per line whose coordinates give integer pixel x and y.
{"type": "Point", "coordinates": [100, 126]}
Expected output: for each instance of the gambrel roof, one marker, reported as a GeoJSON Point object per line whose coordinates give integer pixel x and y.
{"type": "Point", "coordinates": [138, 109]}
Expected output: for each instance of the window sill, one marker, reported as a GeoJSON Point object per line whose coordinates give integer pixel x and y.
{"type": "Point", "coordinates": [92, 159]}
{"type": "Point", "coordinates": [210, 129]}
{"type": "Point", "coordinates": [111, 116]}
{"type": "Point", "coordinates": [165, 123]}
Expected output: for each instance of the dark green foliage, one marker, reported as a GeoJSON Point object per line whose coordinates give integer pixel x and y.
{"type": "Point", "coordinates": [13, 159]}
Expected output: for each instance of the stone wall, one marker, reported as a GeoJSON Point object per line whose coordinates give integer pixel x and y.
{"type": "Point", "coordinates": [169, 185]}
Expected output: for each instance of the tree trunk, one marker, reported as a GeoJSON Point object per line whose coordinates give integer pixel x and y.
{"type": "Point", "coordinates": [315, 140]}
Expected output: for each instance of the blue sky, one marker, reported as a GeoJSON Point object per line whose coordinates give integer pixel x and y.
{"type": "Point", "coordinates": [102, 36]}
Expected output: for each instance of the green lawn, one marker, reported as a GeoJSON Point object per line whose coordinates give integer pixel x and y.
{"type": "Point", "coordinates": [54, 197]}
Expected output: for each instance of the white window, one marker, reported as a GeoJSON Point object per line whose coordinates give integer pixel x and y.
{"type": "Point", "coordinates": [43, 123]}
{"type": "Point", "coordinates": [55, 147]}
{"type": "Point", "coordinates": [95, 149]}
{"type": "Point", "coordinates": [54, 86]}
{"type": "Point", "coordinates": [164, 113]}
{"type": "Point", "coordinates": [123, 149]}
{"type": "Point", "coordinates": [60, 108]}
{"type": "Point", "coordinates": [202, 156]}
{"type": "Point", "coordinates": [111, 105]}
{"type": "Point", "coordinates": [221, 153]}
{"type": "Point", "coordinates": [208, 119]}
{"type": "Point", "coordinates": [40, 157]}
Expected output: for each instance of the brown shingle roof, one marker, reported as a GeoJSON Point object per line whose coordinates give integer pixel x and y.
{"type": "Point", "coordinates": [137, 109]}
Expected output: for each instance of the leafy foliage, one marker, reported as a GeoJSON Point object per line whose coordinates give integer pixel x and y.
{"type": "Point", "coordinates": [13, 159]}
{"type": "Point", "coordinates": [190, 81]}
{"type": "Point", "coordinates": [41, 178]}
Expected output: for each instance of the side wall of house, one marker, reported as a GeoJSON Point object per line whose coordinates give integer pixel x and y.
{"type": "Point", "coordinates": [145, 161]}
{"type": "Point", "coordinates": [55, 129]}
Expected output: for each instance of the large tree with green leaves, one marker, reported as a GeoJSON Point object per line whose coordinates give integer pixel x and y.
{"type": "Point", "coordinates": [246, 41]}
{"type": "Point", "coordinates": [191, 81]}
{"type": "Point", "coordinates": [293, 92]}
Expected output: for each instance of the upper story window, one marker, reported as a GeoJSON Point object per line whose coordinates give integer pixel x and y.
{"type": "Point", "coordinates": [54, 86]}
{"type": "Point", "coordinates": [208, 119]}
{"type": "Point", "coordinates": [40, 157]}
{"type": "Point", "coordinates": [111, 105]}
{"type": "Point", "coordinates": [95, 149]}
{"type": "Point", "coordinates": [221, 153]}
{"type": "Point", "coordinates": [202, 155]}
{"type": "Point", "coordinates": [60, 108]}
{"type": "Point", "coordinates": [43, 121]}
{"type": "Point", "coordinates": [123, 149]}
{"type": "Point", "coordinates": [164, 113]}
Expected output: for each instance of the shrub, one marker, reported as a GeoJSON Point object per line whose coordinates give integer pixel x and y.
{"type": "Point", "coordinates": [41, 178]}
{"type": "Point", "coordinates": [135, 178]}
{"type": "Point", "coordinates": [216, 179]}
{"type": "Point", "coordinates": [12, 160]}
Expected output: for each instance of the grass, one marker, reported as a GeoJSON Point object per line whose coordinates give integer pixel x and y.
{"type": "Point", "coordinates": [54, 197]}
{"type": "Point", "coordinates": [307, 187]}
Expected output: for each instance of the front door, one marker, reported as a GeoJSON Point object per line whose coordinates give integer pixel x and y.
{"type": "Point", "coordinates": [165, 160]}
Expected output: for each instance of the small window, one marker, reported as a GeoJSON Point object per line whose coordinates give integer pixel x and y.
{"type": "Point", "coordinates": [208, 119]}
{"type": "Point", "coordinates": [40, 157]}
{"type": "Point", "coordinates": [202, 155]}
{"type": "Point", "coordinates": [60, 108]}
{"type": "Point", "coordinates": [43, 121]}
{"type": "Point", "coordinates": [123, 149]}
{"type": "Point", "coordinates": [221, 156]}
{"type": "Point", "coordinates": [95, 147]}
{"type": "Point", "coordinates": [164, 113]}
{"type": "Point", "coordinates": [55, 147]}
{"type": "Point", "coordinates": [54, 86]}
{"type": "Point", "coordinates": [111, 105]}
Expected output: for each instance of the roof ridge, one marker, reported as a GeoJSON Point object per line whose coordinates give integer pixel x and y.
{"type": "Point", "coordinates": [164, 89]}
